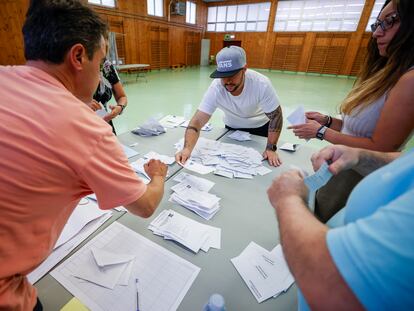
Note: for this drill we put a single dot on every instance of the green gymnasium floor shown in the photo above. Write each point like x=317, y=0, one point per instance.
x=180, y=92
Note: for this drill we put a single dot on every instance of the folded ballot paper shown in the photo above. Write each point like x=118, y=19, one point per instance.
x=150, y=128
x=105, y=268
x=192, y=193
x=240, y=136
x=319, y=179
x=228, y=160
x=265, y=273
x=192, y=234
x=297, y=116
x=170, y=121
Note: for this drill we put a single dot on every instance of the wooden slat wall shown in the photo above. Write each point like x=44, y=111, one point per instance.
x=12, y=14
x=137, y=45
x=339, y=53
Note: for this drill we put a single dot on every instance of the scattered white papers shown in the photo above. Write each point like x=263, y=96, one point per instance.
x=228, y=160
x=161, y=274
x=104, y=268
x=240, y=136
x=163, y=158
x=86, y=211
x=319, y=179
x=64, y=249
x=150, y=128
x=129, y=152
x=199, y=183
x=265, y=273
x=289, y=147
x=297, y=116
x=263, y=170
x=170, y=121
x=192, y=234
x=207, y=127
x=197, y=167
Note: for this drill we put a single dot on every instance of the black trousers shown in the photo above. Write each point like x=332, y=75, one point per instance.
x=259, y=131
x=38, y=306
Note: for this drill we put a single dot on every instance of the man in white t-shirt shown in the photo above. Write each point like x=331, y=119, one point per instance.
x=246, y=97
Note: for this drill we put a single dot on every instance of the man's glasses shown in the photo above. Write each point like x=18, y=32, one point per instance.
x=386, y=24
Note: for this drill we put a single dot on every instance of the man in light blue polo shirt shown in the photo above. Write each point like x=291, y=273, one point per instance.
x=368, y=262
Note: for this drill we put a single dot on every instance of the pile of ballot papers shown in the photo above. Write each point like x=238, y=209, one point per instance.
x=150, y=128
x=192, y=193
x=265, y=273
x=228, y=160
x=105, y=268
x=192, y=234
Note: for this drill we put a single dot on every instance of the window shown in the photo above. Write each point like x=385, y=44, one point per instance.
x=244, y=17
x=318, y=15
x=190, y=12
x=109, y=3
x=375, y=12
x=155, y=7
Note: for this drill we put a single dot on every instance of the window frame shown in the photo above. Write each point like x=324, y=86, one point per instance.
x=190, y=4
x=240, y=23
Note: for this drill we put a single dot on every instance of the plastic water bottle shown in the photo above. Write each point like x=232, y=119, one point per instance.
x=215, y=303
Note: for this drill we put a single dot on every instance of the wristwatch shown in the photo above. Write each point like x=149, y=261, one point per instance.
x=272, y=147
x=122, y=108
x=320, y=134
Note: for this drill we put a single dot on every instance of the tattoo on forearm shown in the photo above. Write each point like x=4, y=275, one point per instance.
x=276, y=120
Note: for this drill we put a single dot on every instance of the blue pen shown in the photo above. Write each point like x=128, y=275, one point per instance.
x=136, y=287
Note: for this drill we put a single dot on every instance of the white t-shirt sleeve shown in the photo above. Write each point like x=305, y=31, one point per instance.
x=269, y=101
x=209, y=101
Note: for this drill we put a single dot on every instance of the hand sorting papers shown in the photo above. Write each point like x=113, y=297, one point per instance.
x=192, y=193
x=240, y=136
x=319, y=179
x=150, y=128
x=265, y=273
x=163, y=158
x=192, y=234
x=138, y=165
x=106, y=268
x=223, y=159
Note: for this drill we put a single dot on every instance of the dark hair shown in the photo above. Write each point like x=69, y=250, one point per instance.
x=52, y=27
x=380, y=73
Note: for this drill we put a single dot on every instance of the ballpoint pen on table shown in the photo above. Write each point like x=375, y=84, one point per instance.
x=136, y=287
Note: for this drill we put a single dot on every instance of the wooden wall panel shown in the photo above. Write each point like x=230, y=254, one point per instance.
x=361, y=54
x=316, y=52
x=12, y=15
x=130, y=19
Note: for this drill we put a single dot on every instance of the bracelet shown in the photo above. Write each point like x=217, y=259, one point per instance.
x=192, y=128
x=329, y=122
x=122, y=108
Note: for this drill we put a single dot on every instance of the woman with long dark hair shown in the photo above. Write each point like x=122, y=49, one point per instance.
x=378, y=113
